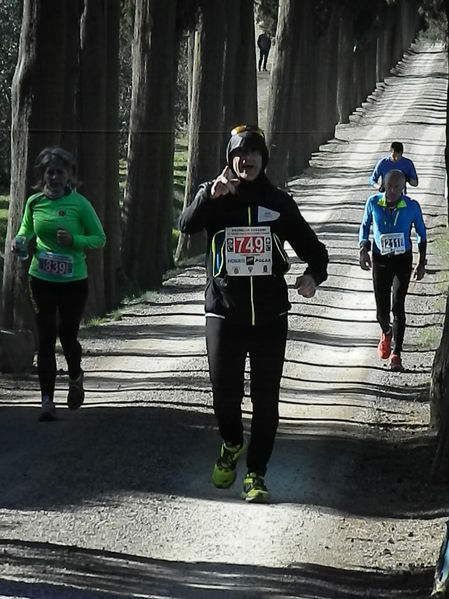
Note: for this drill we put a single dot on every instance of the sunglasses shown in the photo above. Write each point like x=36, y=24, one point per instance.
x=249, y=128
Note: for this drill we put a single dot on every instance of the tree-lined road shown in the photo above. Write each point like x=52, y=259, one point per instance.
x=117, y=500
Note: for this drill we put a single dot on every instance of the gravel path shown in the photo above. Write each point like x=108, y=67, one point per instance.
x=116, y=500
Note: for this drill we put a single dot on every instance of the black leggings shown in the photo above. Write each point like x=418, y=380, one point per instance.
x=389, y=273
x=263, y=57
x=227, y=347
x=69, y=300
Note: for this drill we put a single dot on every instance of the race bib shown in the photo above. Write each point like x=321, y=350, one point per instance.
x=248, y=251
x=58, y=265
x=392, y=243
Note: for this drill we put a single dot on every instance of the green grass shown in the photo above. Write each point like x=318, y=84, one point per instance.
x=179, y=181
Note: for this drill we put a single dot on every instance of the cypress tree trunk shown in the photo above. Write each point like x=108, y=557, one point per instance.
x=206, y=118
x=239, y=77
x=99, y=142
x=439, y=405
x=345, y=58
x=92, y=136
x=112, y=217
x=147, y=247
x=279, y=102
x=38, y=106
x=439, y=388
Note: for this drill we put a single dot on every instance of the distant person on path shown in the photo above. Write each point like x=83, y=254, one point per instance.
x=396, y=161
x=248, y=220
x=264, y=45
x=65, y=225
x=391, y=215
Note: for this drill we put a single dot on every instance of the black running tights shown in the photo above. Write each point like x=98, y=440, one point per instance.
x=55, y=303
x=391, y=277
x=227, y=347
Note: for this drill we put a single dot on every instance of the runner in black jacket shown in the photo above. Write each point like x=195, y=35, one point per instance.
x=248, y=220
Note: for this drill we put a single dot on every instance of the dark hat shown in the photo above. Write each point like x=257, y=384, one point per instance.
x=249, y=138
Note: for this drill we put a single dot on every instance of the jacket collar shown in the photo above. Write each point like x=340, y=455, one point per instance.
x=382, y=201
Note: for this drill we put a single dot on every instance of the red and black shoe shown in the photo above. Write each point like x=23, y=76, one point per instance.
x=384, y=347
x=396, y=363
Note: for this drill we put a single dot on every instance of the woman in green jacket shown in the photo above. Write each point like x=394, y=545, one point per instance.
x=65, y=224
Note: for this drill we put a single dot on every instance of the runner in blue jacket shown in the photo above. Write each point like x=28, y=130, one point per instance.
x=391, y=216
x=395, y=161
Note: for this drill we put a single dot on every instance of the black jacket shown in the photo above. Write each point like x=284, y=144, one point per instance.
x=252, y=299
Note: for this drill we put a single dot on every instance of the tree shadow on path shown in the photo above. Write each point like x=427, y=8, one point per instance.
x=122, y=576
x=99, y=453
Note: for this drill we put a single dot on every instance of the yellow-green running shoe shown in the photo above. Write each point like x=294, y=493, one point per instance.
x=254, y=488
x=224, y=469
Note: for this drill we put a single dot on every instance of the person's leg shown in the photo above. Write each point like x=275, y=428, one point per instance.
x=265, y=58
x=71, y=303
x=44, y=299
x=72, y=299
x=400, y=287
x=260, y=60
x=226, y=352
x=383, y=274
x=267, y=353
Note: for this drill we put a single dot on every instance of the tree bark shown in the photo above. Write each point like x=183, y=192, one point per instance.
x=92, y=133
x=37, y=115
x=147, y=246
x=112, y=218
x=439, y=387
x=281, y=103
x=206, y=118
x=345, y=66
x=98, y=143
x=239, y=72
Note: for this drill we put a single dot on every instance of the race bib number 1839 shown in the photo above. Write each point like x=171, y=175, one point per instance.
x=58, y=265
x=248, y=251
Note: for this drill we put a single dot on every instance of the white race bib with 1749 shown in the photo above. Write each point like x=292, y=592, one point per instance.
x=56, y=265
x=248, y=251
x=392, y=243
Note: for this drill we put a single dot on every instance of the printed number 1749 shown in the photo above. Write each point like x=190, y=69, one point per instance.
x=249, y=244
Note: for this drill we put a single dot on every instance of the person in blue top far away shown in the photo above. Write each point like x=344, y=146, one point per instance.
x=395, y=160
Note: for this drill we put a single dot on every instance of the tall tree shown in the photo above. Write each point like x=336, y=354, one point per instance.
x=10, y=18
x=439, y=389
x=286, y=99
x=99, y=141
x=239, y=71
x=147, y=218
x=206, y=117
x=224, y=76
x=37, y=114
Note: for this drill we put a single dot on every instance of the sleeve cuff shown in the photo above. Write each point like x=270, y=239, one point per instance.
x=365, y=245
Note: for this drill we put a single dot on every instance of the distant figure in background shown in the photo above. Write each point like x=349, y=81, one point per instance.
x=395, y=161
x=264, y=45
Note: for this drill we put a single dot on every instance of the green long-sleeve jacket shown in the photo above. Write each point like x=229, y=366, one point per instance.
x=42, y=218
